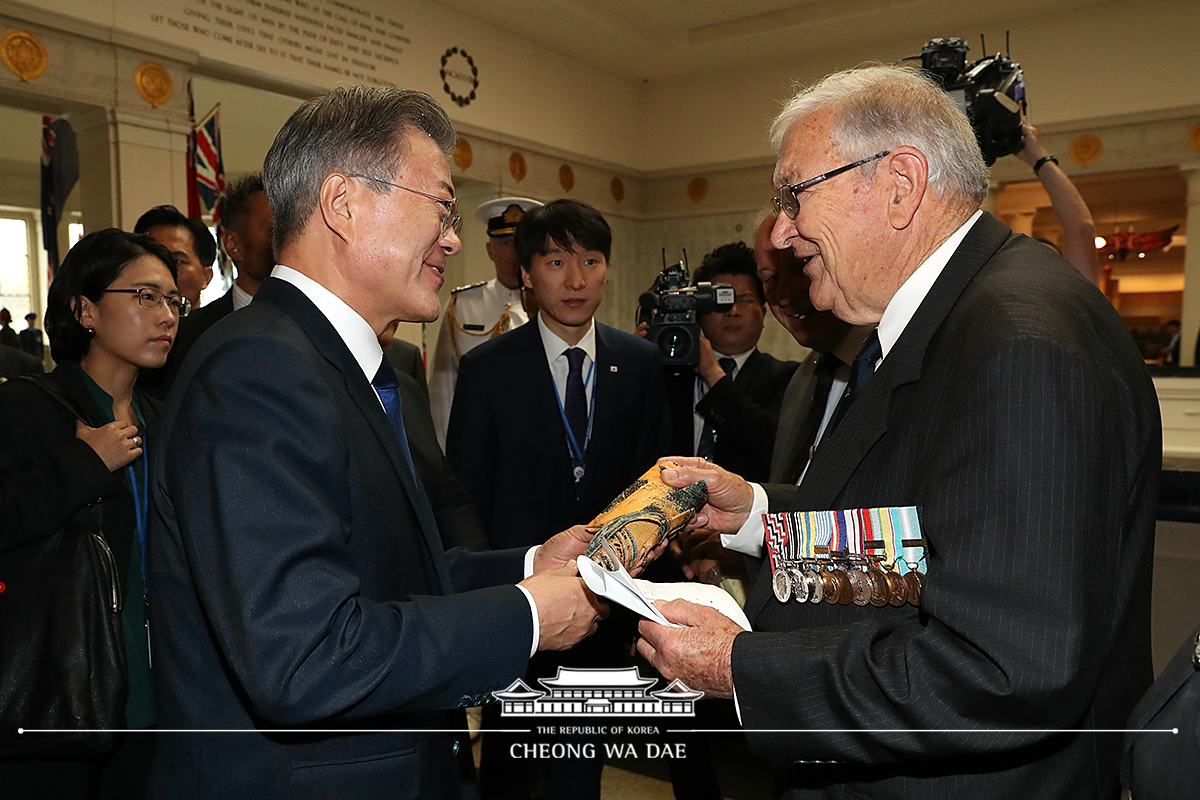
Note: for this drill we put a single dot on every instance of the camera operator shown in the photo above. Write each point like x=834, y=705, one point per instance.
x=1079, y=232
x=738, y=391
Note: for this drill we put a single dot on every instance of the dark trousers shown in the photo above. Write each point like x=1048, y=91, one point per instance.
x=120, y=775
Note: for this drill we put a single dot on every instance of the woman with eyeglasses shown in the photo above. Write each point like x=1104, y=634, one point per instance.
x=79, y=436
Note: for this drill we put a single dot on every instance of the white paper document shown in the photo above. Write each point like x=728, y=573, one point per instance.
x=639, y=595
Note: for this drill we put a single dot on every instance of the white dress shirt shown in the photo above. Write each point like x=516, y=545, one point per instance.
x=900, y=310
x=241, y=298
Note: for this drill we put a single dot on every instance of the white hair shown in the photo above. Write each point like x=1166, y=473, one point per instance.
x=881, y=107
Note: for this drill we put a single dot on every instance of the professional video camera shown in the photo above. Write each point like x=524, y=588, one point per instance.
x=672, y=309
x=990, y=93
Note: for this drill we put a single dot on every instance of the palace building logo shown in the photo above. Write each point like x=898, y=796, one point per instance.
x=619, y=692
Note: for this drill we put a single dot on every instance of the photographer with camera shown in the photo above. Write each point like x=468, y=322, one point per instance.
x=739, y=389
x=725, y=394
x=1079, y=232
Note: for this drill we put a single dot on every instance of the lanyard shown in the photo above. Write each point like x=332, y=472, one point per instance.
x=577, y=452
x=140, y=510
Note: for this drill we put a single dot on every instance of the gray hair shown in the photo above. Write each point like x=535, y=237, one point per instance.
x=881, y=107
x=352, y=130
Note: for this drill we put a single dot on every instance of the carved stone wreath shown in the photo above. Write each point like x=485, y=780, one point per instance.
x=459, y=99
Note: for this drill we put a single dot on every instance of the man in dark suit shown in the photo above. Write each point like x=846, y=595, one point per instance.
x=590, y=418
x=737, y=391
x=1002, y=397
x=526, y=467
x=814, y=389
x=246, y=240
x=323, y=618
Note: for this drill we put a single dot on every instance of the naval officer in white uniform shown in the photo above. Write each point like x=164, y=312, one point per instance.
x=480, y=311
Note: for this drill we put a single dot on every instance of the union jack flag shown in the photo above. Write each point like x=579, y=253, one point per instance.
x=206, y=170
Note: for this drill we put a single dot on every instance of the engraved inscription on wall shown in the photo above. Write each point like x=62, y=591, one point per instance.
x=341, y=39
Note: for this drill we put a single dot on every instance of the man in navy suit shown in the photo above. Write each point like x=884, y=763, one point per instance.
x=590, y=417
x=519, y=454
x=1001, y=395
x=300, y=593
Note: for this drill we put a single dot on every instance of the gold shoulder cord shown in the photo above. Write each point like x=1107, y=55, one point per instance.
x=452, y=315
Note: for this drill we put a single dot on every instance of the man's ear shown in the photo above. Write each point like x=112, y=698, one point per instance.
x=906, y=175
x=231, y=242
x=336, y=205
x=525, y=282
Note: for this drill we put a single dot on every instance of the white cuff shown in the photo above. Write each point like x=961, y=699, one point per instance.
x=749, y=538
x=537, y=623
x=529, y=554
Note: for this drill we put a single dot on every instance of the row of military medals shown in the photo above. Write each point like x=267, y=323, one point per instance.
x=864, y=556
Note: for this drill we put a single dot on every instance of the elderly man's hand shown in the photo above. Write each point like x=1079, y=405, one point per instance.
x=730, y=498
x=568, y=612
x=561, y=549
x=699, y=655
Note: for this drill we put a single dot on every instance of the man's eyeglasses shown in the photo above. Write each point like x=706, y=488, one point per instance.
x=787, y=198
x=152, y=300
x=450, y=219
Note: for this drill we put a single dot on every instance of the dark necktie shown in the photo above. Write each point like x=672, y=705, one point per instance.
x=708, y=435
x=861, y=373
x=388, y=390
x=575, y=404
x=802, y=451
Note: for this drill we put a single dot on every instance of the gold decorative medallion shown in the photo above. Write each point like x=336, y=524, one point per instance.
x=153, y=83
x=566, y=177
x=516, y=166
x=1194, y=137
x=617, y=187
x=23, y=54
x=1086, y=149
x=698, y=189
x=462, y=154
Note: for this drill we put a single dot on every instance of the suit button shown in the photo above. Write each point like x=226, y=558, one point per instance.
x=455, y=748
x=464, y=701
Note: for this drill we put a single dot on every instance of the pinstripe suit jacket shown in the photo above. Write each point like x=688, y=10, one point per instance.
x=1016, y=414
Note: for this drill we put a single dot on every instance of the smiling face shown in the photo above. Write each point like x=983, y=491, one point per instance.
x=125, y=331
x=786, y=287
x=569, y=285
x=738, y=329
x=401, y=250
x=839, y=225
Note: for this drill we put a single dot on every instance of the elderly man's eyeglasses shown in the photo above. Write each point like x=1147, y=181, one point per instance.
x=152, y=300
x=450, y=219
x=787, y=198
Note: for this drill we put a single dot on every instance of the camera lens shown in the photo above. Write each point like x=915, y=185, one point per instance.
x=675, y=343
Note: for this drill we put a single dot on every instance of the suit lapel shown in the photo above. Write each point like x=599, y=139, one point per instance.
x=796, y=402
x=330, y=345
